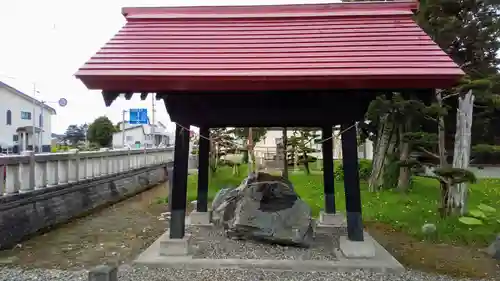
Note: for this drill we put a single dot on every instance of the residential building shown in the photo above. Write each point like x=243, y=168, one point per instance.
x=143, y=136
x=21, y=118
x=267, y=147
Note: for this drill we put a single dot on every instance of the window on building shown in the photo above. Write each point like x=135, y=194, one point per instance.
x=9, y=117
x=15, y=137
x=129, y=138
x=40, y=121
x=25, y=115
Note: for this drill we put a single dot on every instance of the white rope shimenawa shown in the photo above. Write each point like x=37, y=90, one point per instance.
x=238, y=144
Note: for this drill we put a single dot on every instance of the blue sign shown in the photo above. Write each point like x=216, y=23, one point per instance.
x=138, y=116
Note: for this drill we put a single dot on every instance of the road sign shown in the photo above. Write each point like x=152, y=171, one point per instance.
x=62, y=102
x=138, y=116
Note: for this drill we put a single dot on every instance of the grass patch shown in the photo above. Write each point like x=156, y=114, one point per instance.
x=403, y=212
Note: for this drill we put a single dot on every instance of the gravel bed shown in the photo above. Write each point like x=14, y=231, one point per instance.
x=135, y=273
x=211, y=243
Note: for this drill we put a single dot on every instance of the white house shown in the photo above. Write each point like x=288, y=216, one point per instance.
x=143, y=136
x=21, y=116
x=267, y=147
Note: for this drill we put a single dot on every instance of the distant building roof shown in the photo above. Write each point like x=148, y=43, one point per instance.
x=27, y=97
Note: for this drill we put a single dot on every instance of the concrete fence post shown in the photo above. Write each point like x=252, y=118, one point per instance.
x=103, y=273
x=73, y=166
x=28, y=172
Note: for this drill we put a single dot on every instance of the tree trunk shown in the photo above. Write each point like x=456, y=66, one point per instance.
x=443, y=162
x=213, y=157
x=306, y=163
x=285, y=153
x=404, y=155
x=457, y=196
x=390, y=172
x=304, y=155
x=251, y=155
x=384, y=135
x=441, y=133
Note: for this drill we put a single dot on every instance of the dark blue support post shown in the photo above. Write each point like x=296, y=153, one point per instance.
x=203, y=151
x=351, y=182
x=179, y=181
x=328, y=178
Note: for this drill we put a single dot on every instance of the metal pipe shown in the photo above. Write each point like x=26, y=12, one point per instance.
x=153, y=120
x=42, y=126
x=33, y=118
x=123, y=128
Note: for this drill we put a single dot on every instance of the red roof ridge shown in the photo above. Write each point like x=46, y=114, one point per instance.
x=402, y=7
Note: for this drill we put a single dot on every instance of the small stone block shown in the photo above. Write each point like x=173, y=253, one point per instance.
x=103, y=273
x=331, y=219
x=494, y=249
x=175, y=247
x=331, y=229
x=199, y=218
x=357, y=249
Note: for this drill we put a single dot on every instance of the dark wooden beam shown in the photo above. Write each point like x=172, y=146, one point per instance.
x=109, y=97
x=351, y=182
x=128, y=96
x=328, y=179
x=276, y=109
x=179, y=190
x=203, y=154
x=144, y=96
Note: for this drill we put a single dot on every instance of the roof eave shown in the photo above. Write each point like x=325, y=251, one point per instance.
x=231, y=11
x=16, y=91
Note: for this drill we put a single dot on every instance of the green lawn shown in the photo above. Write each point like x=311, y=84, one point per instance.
x=404, y=212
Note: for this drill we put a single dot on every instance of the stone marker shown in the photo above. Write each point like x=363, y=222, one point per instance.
x=494, y=249
x=264, y=207
x=103, y=273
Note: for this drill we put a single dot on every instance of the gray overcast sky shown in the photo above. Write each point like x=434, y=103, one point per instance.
x=47, y=41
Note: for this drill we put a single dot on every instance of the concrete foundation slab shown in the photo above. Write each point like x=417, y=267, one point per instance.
x=382, y=261
x=357, y=250
x=199, y=218
x=169, y=247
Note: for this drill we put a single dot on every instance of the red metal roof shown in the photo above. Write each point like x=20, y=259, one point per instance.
x=283, y=47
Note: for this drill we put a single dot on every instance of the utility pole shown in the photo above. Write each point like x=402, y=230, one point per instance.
x=123, y=128
x=33, y=118
x=41, y=121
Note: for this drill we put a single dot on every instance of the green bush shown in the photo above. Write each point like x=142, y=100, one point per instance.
x=486, y=154
x=365, y=169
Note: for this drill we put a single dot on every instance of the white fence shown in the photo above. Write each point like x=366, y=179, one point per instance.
x=28, y=172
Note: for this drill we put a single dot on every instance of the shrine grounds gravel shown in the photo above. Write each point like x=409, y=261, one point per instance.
x=136, y=273
x=211, y=243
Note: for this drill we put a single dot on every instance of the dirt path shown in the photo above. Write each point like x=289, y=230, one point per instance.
x=436, y=258
x=114, y=235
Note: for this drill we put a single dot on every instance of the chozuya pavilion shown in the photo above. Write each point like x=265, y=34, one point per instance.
x=314, y=65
